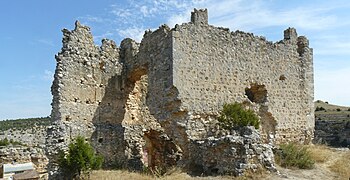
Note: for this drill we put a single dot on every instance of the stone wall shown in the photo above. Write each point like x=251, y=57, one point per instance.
x=86, y=93
x=213, y=66
x=153, y=103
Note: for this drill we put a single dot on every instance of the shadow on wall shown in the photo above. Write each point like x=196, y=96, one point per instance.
x=117, y=120
x=108, y=137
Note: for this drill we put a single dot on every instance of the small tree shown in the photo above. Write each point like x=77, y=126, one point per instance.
x=81, y=158
x=234, y=115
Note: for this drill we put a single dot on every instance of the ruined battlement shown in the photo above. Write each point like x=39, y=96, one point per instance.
x=151, y=103
x=199, y=16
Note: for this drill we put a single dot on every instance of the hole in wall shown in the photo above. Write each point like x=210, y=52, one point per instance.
x=282, y=77
x=100, y=140
x=256, y=93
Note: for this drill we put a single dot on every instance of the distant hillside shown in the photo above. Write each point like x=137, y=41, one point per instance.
x=27, y=123
x=324, y=108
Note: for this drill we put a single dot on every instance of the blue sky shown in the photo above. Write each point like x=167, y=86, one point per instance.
x=30, y=36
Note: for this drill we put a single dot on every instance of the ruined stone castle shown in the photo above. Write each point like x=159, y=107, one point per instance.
x=156, y=103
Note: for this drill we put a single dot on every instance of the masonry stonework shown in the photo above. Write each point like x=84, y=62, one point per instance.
x=156, y=103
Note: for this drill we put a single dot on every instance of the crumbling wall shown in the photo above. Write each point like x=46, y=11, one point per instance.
x=86, y=93
x=213, y=66
x=156, y=103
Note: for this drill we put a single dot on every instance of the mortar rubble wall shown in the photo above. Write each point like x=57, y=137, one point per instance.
x=213, y=66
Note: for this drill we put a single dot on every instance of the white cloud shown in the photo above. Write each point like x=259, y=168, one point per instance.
x=334, y=44
x=178, y=19
x=135, y=33
x=48, y=75
x=93, y=19
x=46, y=42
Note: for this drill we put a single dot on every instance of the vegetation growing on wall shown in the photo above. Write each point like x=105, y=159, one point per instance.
x=235, y=115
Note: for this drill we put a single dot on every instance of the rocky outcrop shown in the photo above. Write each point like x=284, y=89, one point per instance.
x=233, y=154
x=332, y=132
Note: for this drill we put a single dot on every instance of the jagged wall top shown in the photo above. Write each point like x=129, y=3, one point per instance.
x=199, y=16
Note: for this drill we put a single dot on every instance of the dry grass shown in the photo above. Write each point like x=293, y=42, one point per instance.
x=331, y=163
x=320, y=153
x=341, y=165
x=126, y=175
x=173, y=174
x=118, y=174
x=337, y=161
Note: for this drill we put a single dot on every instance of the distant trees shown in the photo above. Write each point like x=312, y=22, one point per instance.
x=80, y=158
x=320, y=108
x=27, y=123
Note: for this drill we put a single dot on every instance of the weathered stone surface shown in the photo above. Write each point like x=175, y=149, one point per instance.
x=156, y=103
x=231, y=154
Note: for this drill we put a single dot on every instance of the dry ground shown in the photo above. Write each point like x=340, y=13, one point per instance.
x=331, y=163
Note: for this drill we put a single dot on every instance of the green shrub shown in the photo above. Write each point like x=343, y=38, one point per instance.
x=4, y=142
x=81, y=158
x=234, y=115
x=293, y=155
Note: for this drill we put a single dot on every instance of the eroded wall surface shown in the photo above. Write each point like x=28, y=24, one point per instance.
x=213, y=66
x=155, y=103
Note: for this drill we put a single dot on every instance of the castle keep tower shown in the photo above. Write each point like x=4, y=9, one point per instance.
x=155, y=103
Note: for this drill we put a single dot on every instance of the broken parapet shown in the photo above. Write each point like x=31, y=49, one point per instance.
x=199, y=16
